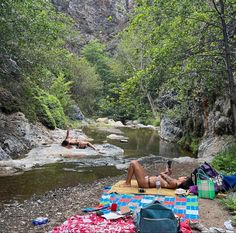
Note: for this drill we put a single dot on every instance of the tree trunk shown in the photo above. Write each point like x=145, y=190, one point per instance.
x=150, y=100
x=228, y=63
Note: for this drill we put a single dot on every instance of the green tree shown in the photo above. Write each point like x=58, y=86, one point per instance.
x=61, y=89
x=32, y=49
x=95, y=53
x=180, y=50
x=87, y=86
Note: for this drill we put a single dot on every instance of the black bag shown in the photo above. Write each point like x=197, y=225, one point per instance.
x=157, y=218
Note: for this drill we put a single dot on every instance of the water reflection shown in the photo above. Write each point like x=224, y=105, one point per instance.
x=141, y=142
x=39, y=181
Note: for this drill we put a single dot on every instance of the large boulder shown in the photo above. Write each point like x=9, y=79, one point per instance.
x=170, y=130
x=18, y=135
x=75, y=113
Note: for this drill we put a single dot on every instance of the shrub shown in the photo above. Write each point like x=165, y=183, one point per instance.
x=55, y=109
x=225, y=161
x=190, y=143
x=230, y=203
x=49, y=110
x=45, y=115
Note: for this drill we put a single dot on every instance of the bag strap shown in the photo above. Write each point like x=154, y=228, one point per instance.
x=201, y=173
x=194, y=173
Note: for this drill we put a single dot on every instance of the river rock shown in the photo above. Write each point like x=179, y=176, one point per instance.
x=113, y=123
x=103, y=120
x=111, y=130
x=137, y=124
x=185, y=159
x=117, y=137
x=41, y=155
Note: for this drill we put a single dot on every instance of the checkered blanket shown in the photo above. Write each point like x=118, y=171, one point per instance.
x=184, y=207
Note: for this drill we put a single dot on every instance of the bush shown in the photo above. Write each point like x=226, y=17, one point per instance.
x=45, y=116
x=190, y=143
x=154, y=121
x=55, y=109
x=49, y=110
x=225, y=161
x=230, y=203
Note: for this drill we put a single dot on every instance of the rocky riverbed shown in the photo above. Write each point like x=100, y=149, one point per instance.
x=60, y=204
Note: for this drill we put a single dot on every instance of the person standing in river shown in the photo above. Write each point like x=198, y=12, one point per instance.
x=145, y=181
x=68, y=142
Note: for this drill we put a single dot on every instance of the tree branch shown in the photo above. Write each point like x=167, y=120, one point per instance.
x=217, y=10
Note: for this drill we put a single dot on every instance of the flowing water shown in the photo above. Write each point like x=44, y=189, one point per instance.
x=141, y=142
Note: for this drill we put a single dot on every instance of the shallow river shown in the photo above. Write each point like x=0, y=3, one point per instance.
x=141, y=142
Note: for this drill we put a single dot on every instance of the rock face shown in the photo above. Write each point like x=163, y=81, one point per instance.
x=219, y=129
x=8, y=103
x=170, y=130
x=100, y=19
x=4, y=155
x=213, y=126
x=219, y=121
x=210, y=146
x=18, y=135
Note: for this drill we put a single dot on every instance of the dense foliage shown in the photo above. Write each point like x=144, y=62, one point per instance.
x=174, y=46
x=34, y=56
x=182, y=48
x=225, y=161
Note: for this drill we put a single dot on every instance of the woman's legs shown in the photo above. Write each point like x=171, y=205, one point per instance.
x=136, y=169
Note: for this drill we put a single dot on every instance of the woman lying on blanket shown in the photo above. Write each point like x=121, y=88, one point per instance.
x=145, y=181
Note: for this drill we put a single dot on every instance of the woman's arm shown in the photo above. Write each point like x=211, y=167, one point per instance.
x=91, y=145
x=171, y=183
x=67, y=133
